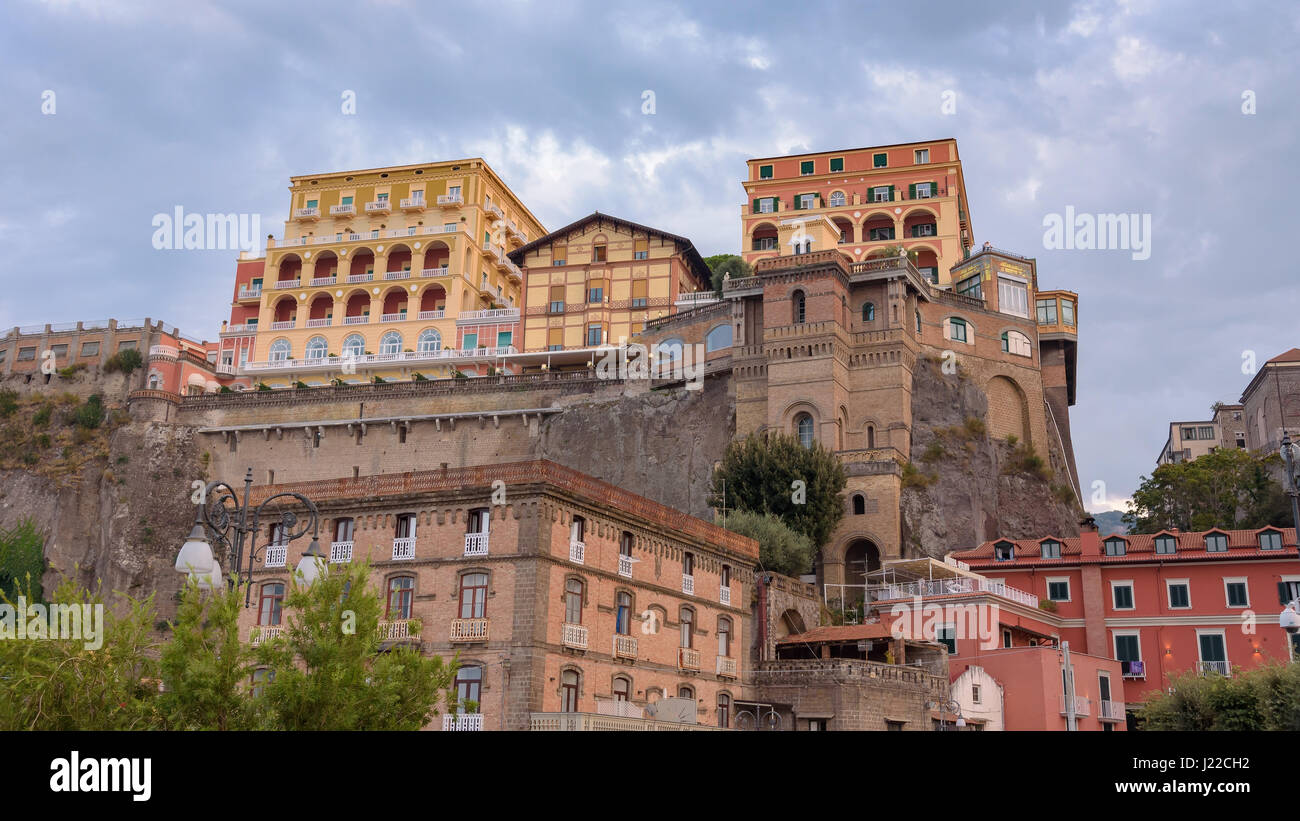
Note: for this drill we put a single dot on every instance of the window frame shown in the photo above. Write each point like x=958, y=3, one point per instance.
x=1228, y=582
x=1051, y=580
x=1119, y=584
x=1170, y=584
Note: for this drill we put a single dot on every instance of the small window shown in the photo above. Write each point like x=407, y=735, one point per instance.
x=271, y=604
x=765, y=172
x=687, y=619
x=837, y=199
x=882, y=194
x=1179, y=595
x=400, y=591
x=803, y=427
x=724, y=710
x=1058, y=589
x=1236, y=593
x=957, y=330
x=1166, y=545
x=573, y=590
x=1270, y=540
x=975, y=693
x=1014, y=342
x=859, y=504
x=868, y=312
x=1122, y=594
x=837, y=164
x=807, y=201
x=947, y=636
x=806, y=168
x=922, y=156
x=1116, y=547
x=879, y=160
x=799, y=306
x=1004, y=551
x=1216, y=543
x=970, y=286
x=598, y=253
x=1051, y=549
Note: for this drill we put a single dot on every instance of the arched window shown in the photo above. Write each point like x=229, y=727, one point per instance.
x=279, y=350
x=686, y=691
x=803, y=428
x=837, y=198
x=918, y=323
x=868, y=312
x=724, y=710
x=871, y=436
x=573, y=601
x=569, y=691
x=623, y=613
x=155, y=381
x=317, y=348
x=799, y=307
x=1016, y=343
x=391, y=343
x=354, y=345
x=473, y=596
x=622, y=688
x=270, y=604
x=687, y=618
x=400, y=591
x=859, y=504
x=957, y=329
x=429, y=341
x=671, y=349
x=262, y=676
x=724, y=637
x=718, y=338
x=469, y=687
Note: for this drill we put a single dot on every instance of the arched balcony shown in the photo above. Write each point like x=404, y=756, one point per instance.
x=285, y=314
x=763, y=237
x=433, y=303
x=362, y=268
x=394, y=306
x=289, y=272
x=437, y=258
x=327, y=269
x=927, y=262
x=358, y=309
x=878, y=228
x=846, y=230
x=399, y=263
x=320, y=314
x=919, y=224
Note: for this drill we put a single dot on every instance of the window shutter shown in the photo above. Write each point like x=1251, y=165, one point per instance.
x=1282, y=591
x=911, y=191
x=934, y=189
x=798, y=202
x=891, y=193
x=756, y=206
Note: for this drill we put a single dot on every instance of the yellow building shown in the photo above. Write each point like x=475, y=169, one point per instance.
x=388, y=272
x=598, y=280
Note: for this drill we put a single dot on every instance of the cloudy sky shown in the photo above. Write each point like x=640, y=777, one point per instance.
x=1105, y=107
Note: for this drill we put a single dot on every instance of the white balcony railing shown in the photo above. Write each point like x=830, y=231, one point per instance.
x=414, y=203
x=282, y=326
x=250, y=293
x=329, y=280
x=383, y=358
x=688, y=585
x=688, y=658
x=398, y=317
x=724, y=596
x=397, y=274
x=450, y=199
x=356, y=320
x=226, y=368
x=575, y=636
x=287, y=283
x=469, y=630
x=726, y=667
x=577, y=550
x=1082, y=706
x=403, y=548
x=305, y=213
x=431, y=315
x=323, y=322
x=462, y=722
x=624, y=647
x=1221, y=668
x=264, y=632
x=379, y=207
x=342, y=210
x=340, y=552
x=1110, y=710
x=164, y=350
x=476, y=544
x=368, y=276
x=625, y=566
x=276, y=556
x=437, y=271
x=398, y=630
x=496, y=314
x=943, y=587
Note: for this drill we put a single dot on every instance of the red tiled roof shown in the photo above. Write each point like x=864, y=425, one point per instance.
x=1292, y=355
x=1242, y=544
x=843, y=632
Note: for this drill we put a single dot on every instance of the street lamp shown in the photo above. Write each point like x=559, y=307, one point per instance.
x=1290, y=453
x=220, y=513
x=949, y=706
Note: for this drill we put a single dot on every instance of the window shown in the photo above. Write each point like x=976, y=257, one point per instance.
x=724, y=578
x=1180, y=596
x=799, y=306
x=573, y=589
x=1127, y=649
x=429, y=341
x=345, y=201
x=879, y=160
x=1236, y=592
x=1050, y=549
x=686, y=691
x=128, y=345
x=1214, y=652
x=569, y=691
x=622, y=689
x=623, y=613
x=717, y=339
x=1046, y=311
x=957, y=329
x=26, y=354
x=837, y=198
x=803, y=428
x=806, y=168
x=1013, y=297
x=765, y=172
x=918, y=322
x=1166, y=545
x=557, y=299
x=1004, y=551
x=859, y=504
x=505, y=338
x=1014, y=342
x=1188, y=433
x=478, y=520
x=1122, y=595
x=469, y=341
x=947, y=635
x=922, y=191
x=1006, y=638
x=354, y=345
x=1206, y=433
x=924, y=229
x=687, y=617
x=724, y=710
x=767, y=205
x=1067, y=312
x=596, y=290
x=317, y=348
x=469, y=687
x=975, y=693
x=868, y=312
x=724, y=637
x=400, y=591
x=877, y=234
x=1116, y=547
x=807, y=201
x=262, y=677
x=922, y=156
x=390, y=343
x=1216, y=543
x=473, y=596
x=1058, y=589
x=970, y=286
x=598, y=253
x=882, y=193
x=278, y=352
x=1270, y=540
x=271, y=604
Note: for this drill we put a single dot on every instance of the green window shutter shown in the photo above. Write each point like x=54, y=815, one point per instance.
x=798, y=202
x=806, y=167
x=934, y=189
x=891, y=193
x=756, y=206
x=837, y=164
x=911, y=191
x=820, y=202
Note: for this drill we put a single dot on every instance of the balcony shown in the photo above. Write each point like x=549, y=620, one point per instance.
x=462, y=722
x=356, y=320
x=276, y=556
x=342, y=210
x=1082, y=706
x=688, y=585
x=514, y=234
x=431, y=315
x=225, y=368
x=316, y=282
x=589, y=722
x=426, y=356
x=494, y=211
x=450, y=200
x=412, y=204
x=727, y=667
x=1133, y=669
x=264, y=633
x=625, y=566
x=379, y=207
x=340, y=552
x=946, y=587
x=1214, y=668
x=440, y=271
x=397, y=274
x=624, y=647
x=250, y=291
x=306, y=213
x=497, y=315
x=398, y=317
x=575, y=636
x=403, y=548
x=724, y=596
x=1111, y=711
x=468, y=630
x=399, y=630
x=688, y=658
x=324, y=322
x=282, y=284
x=286, y=325
x=476, y=544
x=368, y=276
x=164, y=350
x=577, y=550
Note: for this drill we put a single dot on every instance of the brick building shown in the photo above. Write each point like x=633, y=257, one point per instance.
x=1271, y=402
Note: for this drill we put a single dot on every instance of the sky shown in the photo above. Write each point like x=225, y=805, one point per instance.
x=1180, y=113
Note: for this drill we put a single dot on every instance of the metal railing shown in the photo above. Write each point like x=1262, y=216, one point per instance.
x=276, y=556
x=403, y=548
x=726, y=667
x=412, y=202
x=287, y=283
x=625, y=566
x=468, y=630
x=398, y=630
x=724, y=596
x=451, y=199
x=461, y=722
x=282, y=326
x=945, y=587
x=250, y=293
x=574, y=635
x=329, y=280
x=397, y=274
x=366, y=277
x=624, y=647
x=355, y=320
x=1221, y=668
x=688, y=658
x=476, y=544
x=324, y=322
x=340, y=552
x=442, y=314
x=1110, y=710
x=577, y=551
x=262, y=633
x=688, y=585
x=1082, y=706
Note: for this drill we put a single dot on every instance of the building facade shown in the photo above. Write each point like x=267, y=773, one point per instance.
x=1271, y=403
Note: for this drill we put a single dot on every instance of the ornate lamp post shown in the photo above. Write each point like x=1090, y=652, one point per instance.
x=221, y=514
x=1290, y=617
x=949, y=706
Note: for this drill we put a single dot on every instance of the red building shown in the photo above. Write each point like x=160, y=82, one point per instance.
x=1161, y=604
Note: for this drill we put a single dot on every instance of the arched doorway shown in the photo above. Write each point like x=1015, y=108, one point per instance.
x=861, y=558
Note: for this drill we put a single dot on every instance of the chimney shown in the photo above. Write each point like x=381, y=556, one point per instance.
x=1088, y=523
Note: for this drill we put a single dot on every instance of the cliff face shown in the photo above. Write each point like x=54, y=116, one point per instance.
x=965, y=487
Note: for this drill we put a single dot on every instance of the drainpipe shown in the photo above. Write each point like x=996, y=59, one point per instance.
x=762, y=616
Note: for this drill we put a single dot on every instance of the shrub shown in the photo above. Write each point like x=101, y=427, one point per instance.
x=43, y=441
x=419, y=377
x=262, y=386
x=225, y=389
x=974, y=426
x=780, y=548
x=126, y=361
x=933, y=452
x=915, y=478
x=300, y=384
x=8, y=401
x=72, y=370
x=42, y=416
x=91, y=414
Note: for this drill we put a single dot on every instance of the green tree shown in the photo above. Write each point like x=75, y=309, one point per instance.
x=723, y=264
x=327, y=671
x=126, y=360
x=22, y=561
x=1265, y=698
x=780, y=549
x=1229, y=488
x=761, y=475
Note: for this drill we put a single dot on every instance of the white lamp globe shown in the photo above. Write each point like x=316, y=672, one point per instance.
x=210, y=580
x=196, y=553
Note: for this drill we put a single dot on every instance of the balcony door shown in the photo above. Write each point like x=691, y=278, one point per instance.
x=473, y=595
x=343, y=530
x=405, y=526
x=478, y=520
